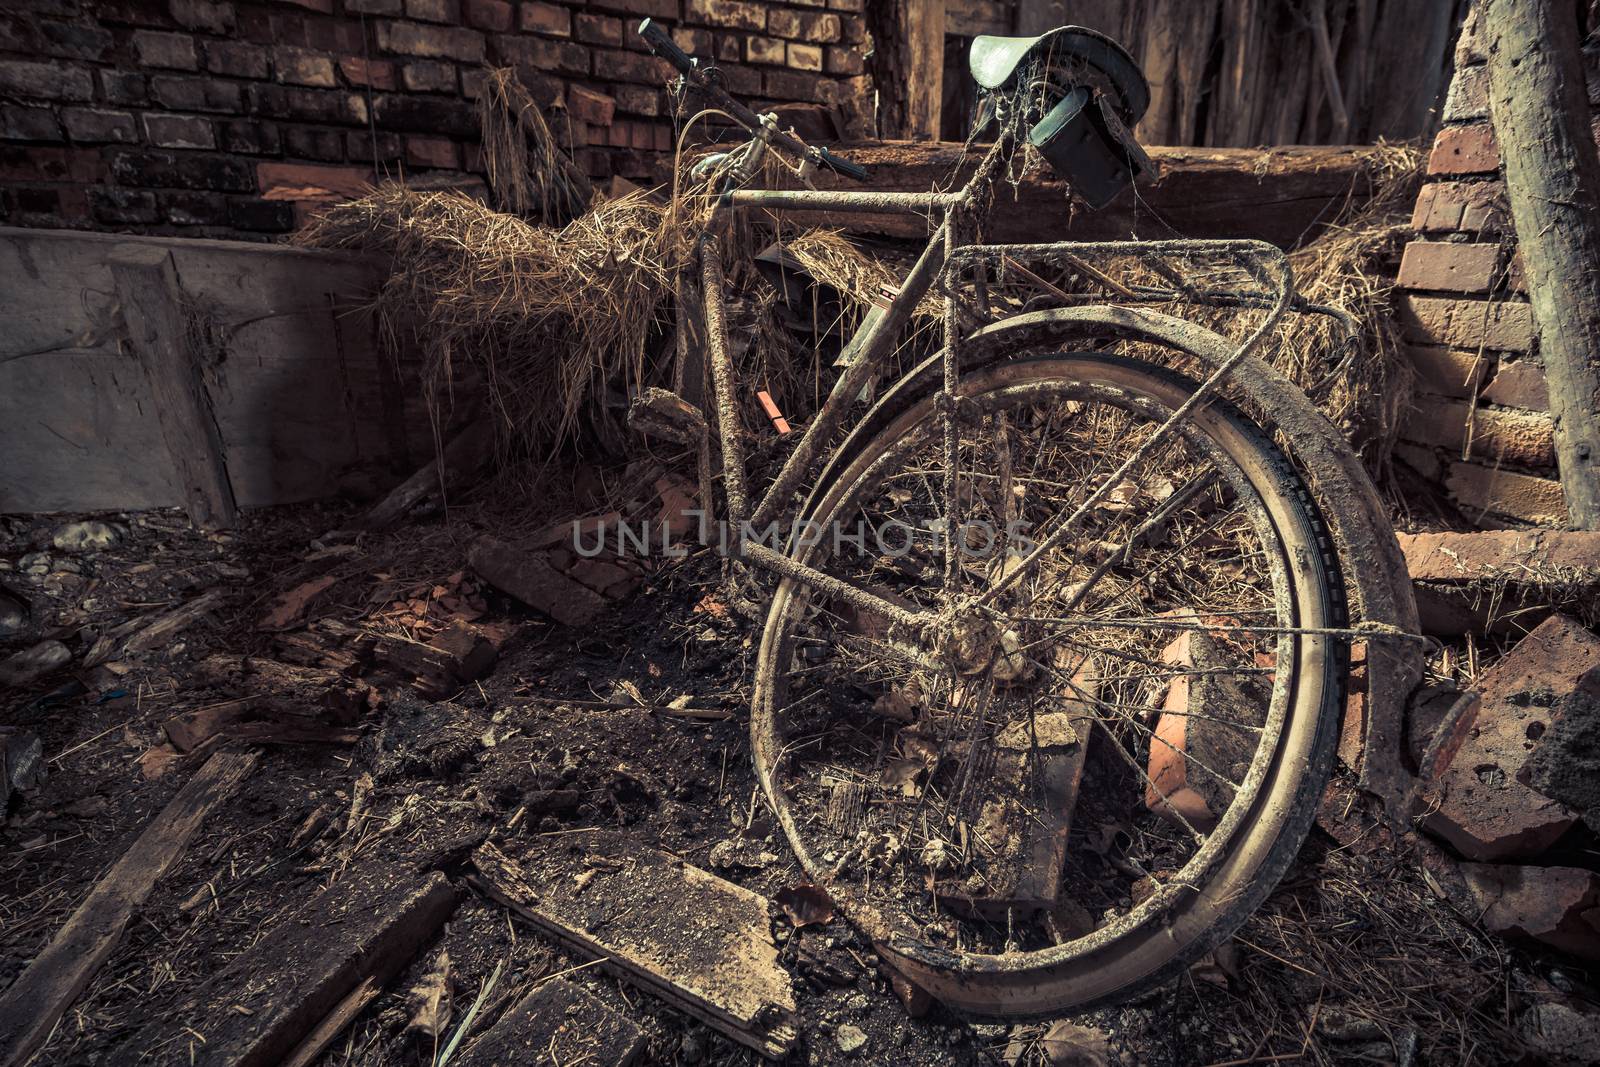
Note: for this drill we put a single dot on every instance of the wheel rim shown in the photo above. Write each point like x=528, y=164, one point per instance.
x=1178, y=915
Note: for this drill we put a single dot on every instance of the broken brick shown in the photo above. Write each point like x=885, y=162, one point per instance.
x=1477, y=803
x=1204, y=739
x=1554, y=906
x=530, y=578
x=1564, y=764
x=1485, y=580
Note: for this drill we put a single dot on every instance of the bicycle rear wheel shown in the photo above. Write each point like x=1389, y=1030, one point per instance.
x=1090, y=782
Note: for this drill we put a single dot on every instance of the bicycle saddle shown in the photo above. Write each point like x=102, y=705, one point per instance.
x=995, y=60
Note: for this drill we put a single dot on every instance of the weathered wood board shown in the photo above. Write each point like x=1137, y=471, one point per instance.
x=306, y=405
x=259, y=1009
x=557, y=1023
x=35, y=1002
x=701, y=943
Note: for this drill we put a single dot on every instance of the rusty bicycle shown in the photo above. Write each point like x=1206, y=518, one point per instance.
x=1064, y=732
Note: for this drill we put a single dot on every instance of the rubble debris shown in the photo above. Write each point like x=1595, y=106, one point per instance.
x=1479, y=803
x=557, y=1023
x=31, y=664
x=259, y=1009
x=1565, y=762
x=465, y=455
x=90, y=536
x=850, y=1038
x=13, y=614
x=429, y=1000
x=439, y=667
x=289, y=608
x=36, y=1001
x=21, y=763
x=291, y=689
x=532, y=579
x=1495, y=579
x=700, y=943
x=1562, y=1031
x=150, y=632
x=1556, y=906
x=1188, y=737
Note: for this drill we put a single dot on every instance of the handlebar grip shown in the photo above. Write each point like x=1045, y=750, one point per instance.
x=662, y=44
x=840, y=165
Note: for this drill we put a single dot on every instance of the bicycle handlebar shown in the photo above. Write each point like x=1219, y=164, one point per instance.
x=662, y=44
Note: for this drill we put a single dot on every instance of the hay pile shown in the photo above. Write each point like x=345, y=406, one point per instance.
x=545, y=316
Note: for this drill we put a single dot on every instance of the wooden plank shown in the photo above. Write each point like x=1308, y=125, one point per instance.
x=1282, y=195
x=35, y=1002
x=925, y=73
x=269, y=1002
x=557, y=1023
x=306, y=402
x=702, y=944
x=160, y=335
x=969, y=18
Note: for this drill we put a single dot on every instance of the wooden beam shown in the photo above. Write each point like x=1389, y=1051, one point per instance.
x=558, y=1023
x=1282, y=195
x=156, y=329
x=35, y=1002
x=925, y=32
x=1540, y=112
x=308, y=975
x=699, y=942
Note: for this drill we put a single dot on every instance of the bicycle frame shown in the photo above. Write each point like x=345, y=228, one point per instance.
x=945, y=261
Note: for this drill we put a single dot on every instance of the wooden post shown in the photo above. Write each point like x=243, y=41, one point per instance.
x=35, y=1002
x=152, y=314
x=1540, y=110
x=907, y=65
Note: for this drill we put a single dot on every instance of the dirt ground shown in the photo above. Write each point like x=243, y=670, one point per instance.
x=1353, y=960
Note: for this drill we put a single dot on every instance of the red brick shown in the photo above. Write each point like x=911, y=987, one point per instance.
x=431, y=42
x=1488, y=490
x=805, y=26
x=1519, y=384
x=1468, y=97
x=172, y=50
x=433, y=10
x=1505, y=326
x=298, y=66
x=656, y=9
x=588, y=106
x=429, y=76
x=377, y=73
x=236, y=59
x=805, y=57
x=794, y=85
x=1465, y=150
x=763, y=50
x=598, y=29
x=730, y=49
x=695, y=42
x=546, y=18
x=845, y=60
x=1448, y=371
x=640, y=136
x=323, y=6
x=1476, y=803
x=619, y=134
x=431, y=152
x=631, y=67
x=1484, y=554
x=1472, y=44
x=179, y=131
x=1450, y=266
x=1523, y=439
x=1184, y=744
x=735, y=14
x=545, y=56
x=1554, y=906
x=305, y=181
x=637, y=100
x=495, y=15
x=1465, y=207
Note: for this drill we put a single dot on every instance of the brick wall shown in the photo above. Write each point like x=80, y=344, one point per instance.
x=197, y=118
x=1481, y=424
